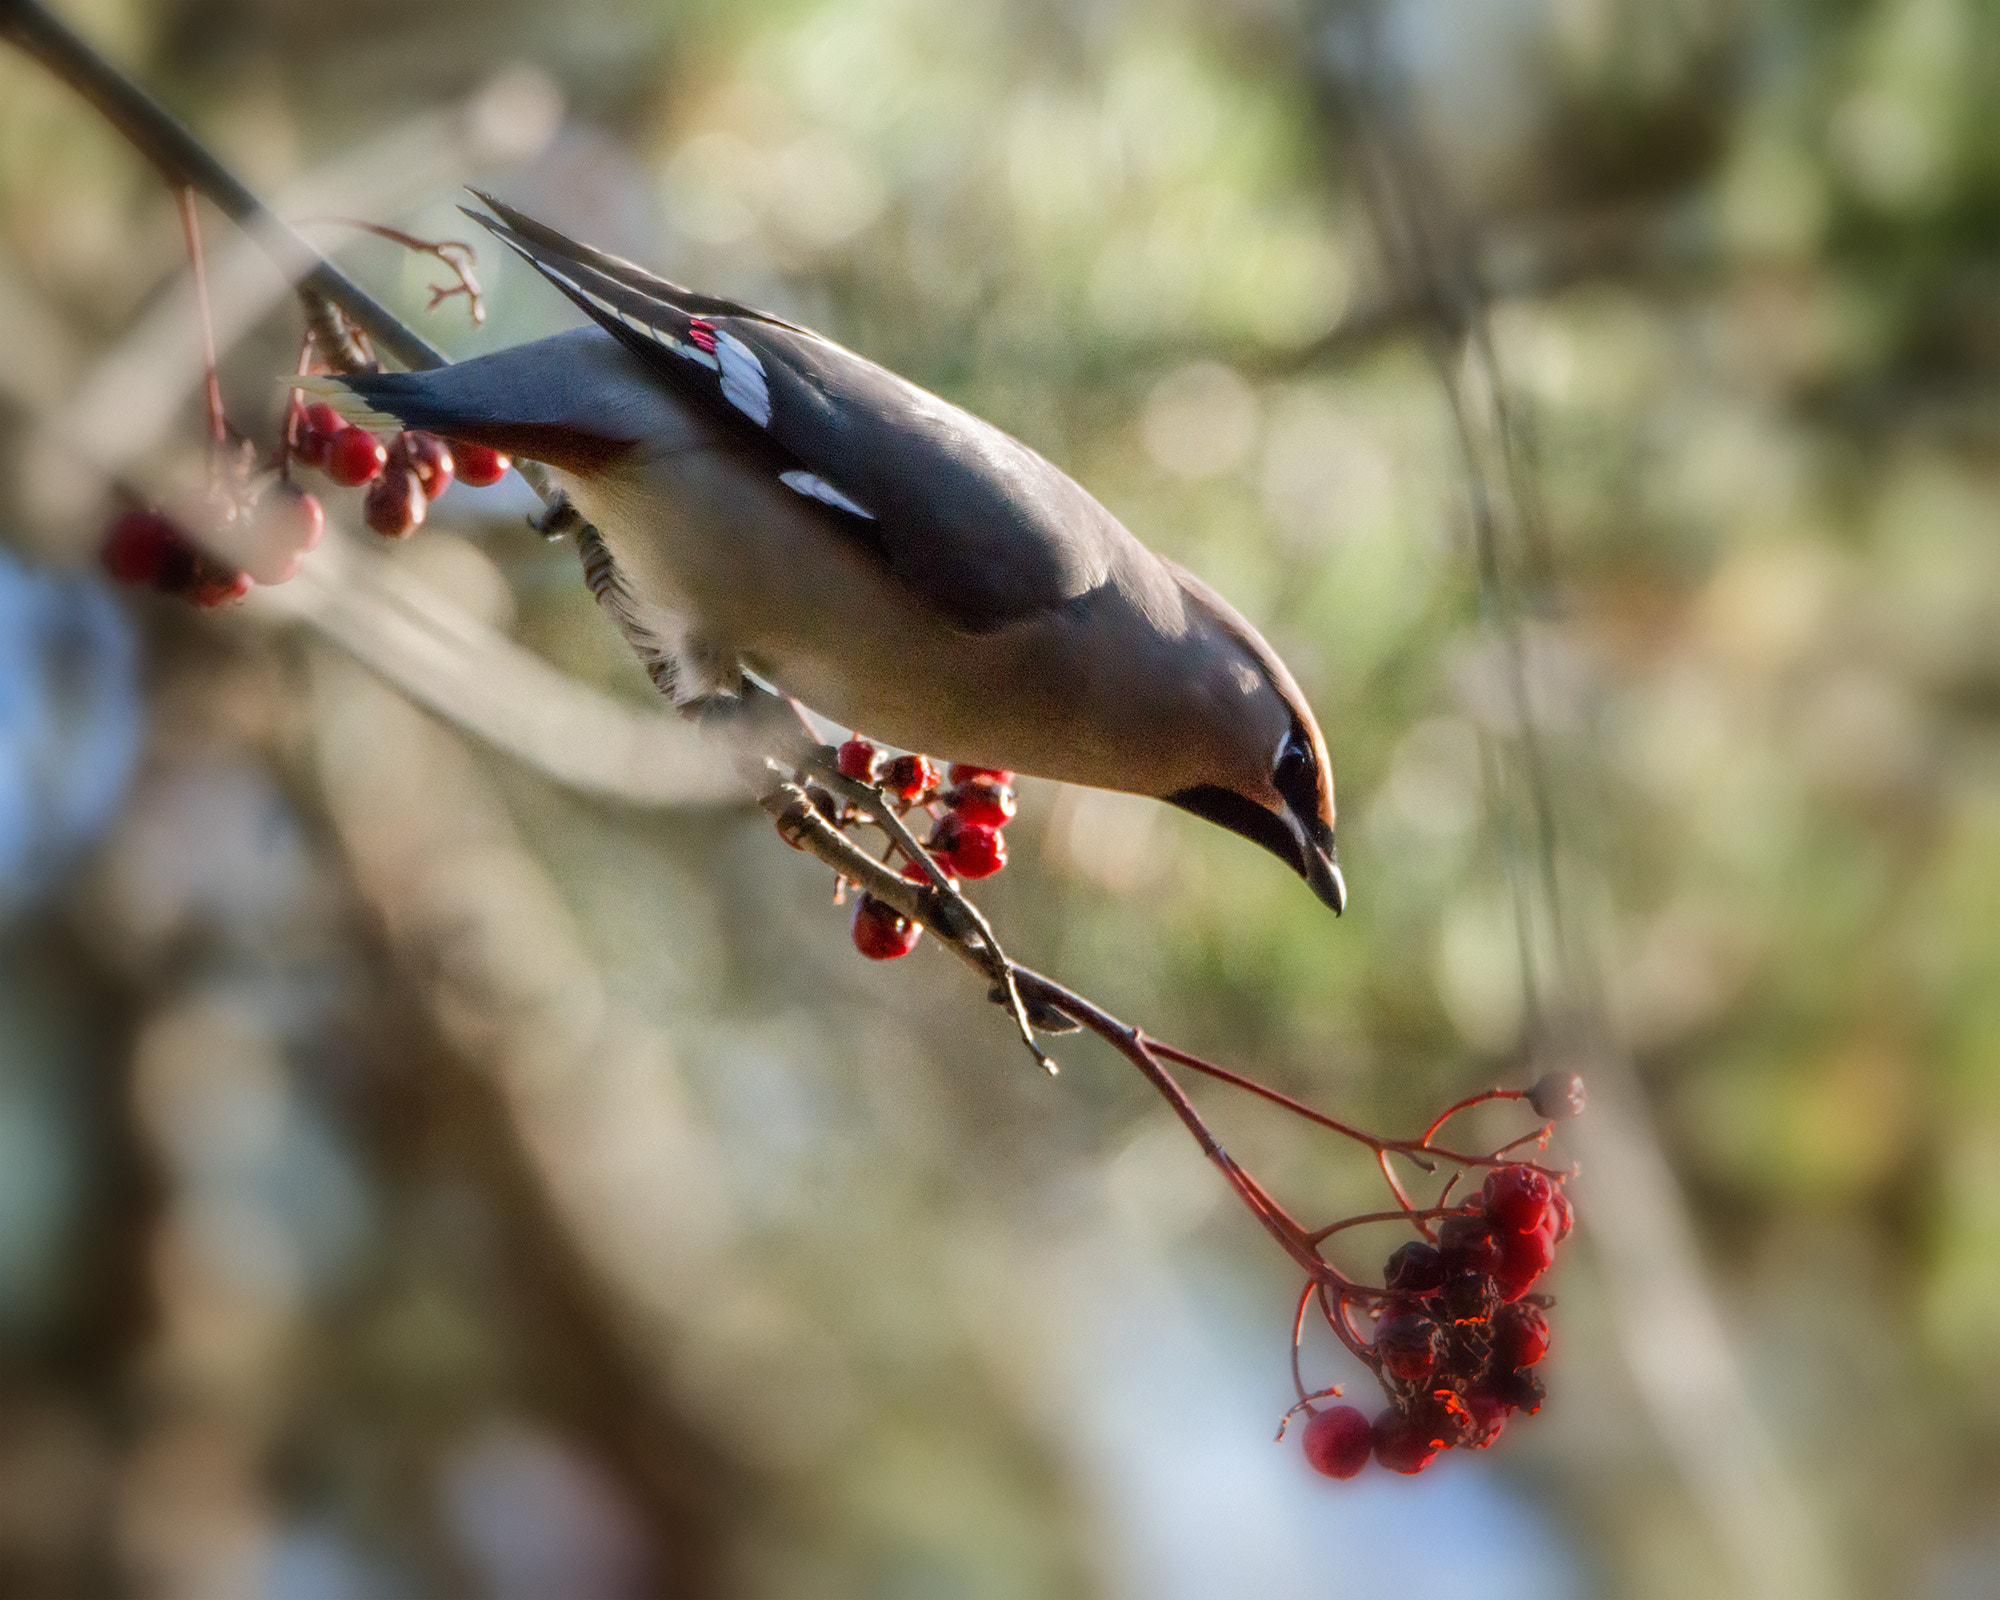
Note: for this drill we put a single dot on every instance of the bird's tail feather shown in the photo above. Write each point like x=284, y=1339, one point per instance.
x=526, y=402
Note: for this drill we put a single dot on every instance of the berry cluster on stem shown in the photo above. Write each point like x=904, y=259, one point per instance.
x=969, y=806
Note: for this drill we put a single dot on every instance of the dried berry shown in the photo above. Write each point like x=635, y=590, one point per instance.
x=1337, y=1441
x=881, y=932
x=1409, y=1347
x=1467, y=1244
x=1414, y=1268
x=1402, y=1442
x=1469, y=1297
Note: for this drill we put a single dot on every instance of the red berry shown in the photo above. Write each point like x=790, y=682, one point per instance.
x=1516, y=1197
x=216, y=586
x=1337, y=1441
x=395, y=505
x=287, y=523
x=967, y=848
x=138, y=545
x=354, y=457
x=984, y=801
x=1408, y=1346
x=960, y=773
x=1415, y=1268
x=858, y=760
x=1402, y=1443
x=1524, y=1257
x=909, y=778
x=1565, y=1216
x=425, y=454
x=478, y=465
x=881, y=933
x=1520, y=1336
x=318, y=425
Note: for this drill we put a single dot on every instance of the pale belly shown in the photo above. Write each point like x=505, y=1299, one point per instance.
x=745, y=566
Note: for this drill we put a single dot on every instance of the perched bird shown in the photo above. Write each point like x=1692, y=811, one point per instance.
x=769, y=500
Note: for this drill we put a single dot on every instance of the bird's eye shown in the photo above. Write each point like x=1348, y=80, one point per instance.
x=1292, y=774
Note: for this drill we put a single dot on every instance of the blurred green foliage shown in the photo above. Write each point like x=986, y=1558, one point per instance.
x=1749, y=306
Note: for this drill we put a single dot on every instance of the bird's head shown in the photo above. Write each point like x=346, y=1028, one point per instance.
x=1266, y=775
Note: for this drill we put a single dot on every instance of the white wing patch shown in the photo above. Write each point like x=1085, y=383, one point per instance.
x=815, y=487
x=743, y=384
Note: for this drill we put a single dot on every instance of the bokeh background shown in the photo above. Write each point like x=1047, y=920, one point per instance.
x=448, y=1145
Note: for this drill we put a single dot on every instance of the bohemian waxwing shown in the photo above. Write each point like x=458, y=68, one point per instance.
x=769, y=500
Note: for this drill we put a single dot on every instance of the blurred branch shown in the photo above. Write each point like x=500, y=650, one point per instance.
x=185, y=163
x=410, y=634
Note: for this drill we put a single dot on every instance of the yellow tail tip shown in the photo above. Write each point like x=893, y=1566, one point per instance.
x=352, y=408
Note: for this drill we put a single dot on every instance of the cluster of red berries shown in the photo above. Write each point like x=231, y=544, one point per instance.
x=269, y=529
x=403, y=477
x=971, y=805
x=270, y=533
x=1457, y=1335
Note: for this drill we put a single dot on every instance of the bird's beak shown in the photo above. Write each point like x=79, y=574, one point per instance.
x=1305, y=844
x=1319, y=862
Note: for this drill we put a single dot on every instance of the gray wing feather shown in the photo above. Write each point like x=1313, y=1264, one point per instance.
x=986, y=530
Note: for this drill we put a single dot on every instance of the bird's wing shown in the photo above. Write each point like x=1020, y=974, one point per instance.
x=983, y=528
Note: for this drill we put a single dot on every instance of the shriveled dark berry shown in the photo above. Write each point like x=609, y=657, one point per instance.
x=1520, y=1336
x=1403, y=1443
x=1556, y=1096
x=1337, y=1441
x=1409, y=1347
x=1516, y=1197
x=1467, y=1245
x=1414, y=1268
x=1468, y=1297
x=1518, y=1390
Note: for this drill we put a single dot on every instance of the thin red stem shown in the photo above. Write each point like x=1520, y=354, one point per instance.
x=218, y=424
